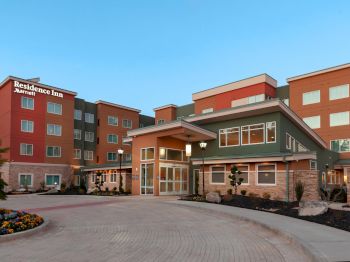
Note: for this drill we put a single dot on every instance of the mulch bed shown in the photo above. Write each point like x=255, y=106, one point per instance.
x=335, y=218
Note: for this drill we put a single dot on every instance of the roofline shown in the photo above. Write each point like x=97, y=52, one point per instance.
x=163, y=107
x=86, y=169
x=235, y=85
x=170, y=125
x=318, y=72
x=291, y=157
x=258, y=106
x=118, y=106
x=37, y=84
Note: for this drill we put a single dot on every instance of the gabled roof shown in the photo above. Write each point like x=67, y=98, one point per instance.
x=14, y=78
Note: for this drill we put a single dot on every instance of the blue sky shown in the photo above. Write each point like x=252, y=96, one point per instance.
x=145, y=54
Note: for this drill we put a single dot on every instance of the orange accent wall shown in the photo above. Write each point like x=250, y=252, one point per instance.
x=223, y=100
x=103, y=129
x=322, y=82
x=168, y=114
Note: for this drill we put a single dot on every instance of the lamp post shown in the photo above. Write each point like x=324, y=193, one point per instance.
x=203, y=146
x=120, y=153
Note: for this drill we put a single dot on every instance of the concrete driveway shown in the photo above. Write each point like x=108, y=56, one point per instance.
x=88, y=228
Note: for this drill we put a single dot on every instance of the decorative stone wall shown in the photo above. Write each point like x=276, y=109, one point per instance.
x=38, y=171
x=277, y=192
x=110, y=185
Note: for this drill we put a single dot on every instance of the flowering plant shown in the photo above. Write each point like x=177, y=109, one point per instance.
x=12, y=221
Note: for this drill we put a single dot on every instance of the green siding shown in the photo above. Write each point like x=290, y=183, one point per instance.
x=185, y=110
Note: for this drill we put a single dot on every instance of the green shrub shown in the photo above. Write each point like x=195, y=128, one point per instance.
x=63, y=186
x=107, y=189
x=266, y=195
x=42, y=185
x=243, y=192
x=299, y=190
x=121, y=189
x=338, y=195
x=2, y=187
x=229, y=191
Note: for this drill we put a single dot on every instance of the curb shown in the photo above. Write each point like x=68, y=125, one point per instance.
x=309, y=250
x=26, y=233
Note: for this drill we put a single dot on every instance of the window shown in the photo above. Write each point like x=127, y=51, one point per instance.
x=54, y=108
x=25, y=179
x=217, y=175
x=88, y=155
x=77, y=114
x=207, y=110
x=339, y=119
x=125, y=143
x=111, y=156
x=27, y=103
x=112, y=120
x=172, y=154
x=113, y=178
x=160, y=121
x=93, y=178
x=54, y=130
x=27, y=126
x=147, y=153
x=286, y=101
x=127, y=123
x=248, y=100
x=338, y=92
x=253, y=134
x=313, y=122
x=266, y=174
x=52, y=180
x=89, y=118
x=77, y=134
x=53, y=151
x=112, y=139
x=89, y=136
x=313, y=165
x=77, y=154
x=126, y=157
x=244, y=173
x=229, y=137
x=270, y=132
x=294, y=145
x=340, y=145
x=26, y=149
x=312, y=97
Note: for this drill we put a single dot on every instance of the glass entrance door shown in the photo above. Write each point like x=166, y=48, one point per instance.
x=147, y=171
x=173, y=180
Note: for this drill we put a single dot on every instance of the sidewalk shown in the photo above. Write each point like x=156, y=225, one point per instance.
x=323, y=242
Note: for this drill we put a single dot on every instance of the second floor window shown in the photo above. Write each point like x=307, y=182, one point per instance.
x=54, y=108
x=77, y=154
x=229, y=137
x=77, y=134
x=54, y=130
x=312, y=97
x=88, y=155
x=27, y=126
x=111, y=156
x=89, y=136
x=53, y=151
x=26, y=149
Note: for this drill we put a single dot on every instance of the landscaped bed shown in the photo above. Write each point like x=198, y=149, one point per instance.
x=12, y=221
x=334, y=218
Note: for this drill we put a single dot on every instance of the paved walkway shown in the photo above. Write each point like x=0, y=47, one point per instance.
x=135, y=229
x=329, y=244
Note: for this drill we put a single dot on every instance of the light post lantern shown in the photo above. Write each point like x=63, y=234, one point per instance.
x=120, y=153
x=203, y=146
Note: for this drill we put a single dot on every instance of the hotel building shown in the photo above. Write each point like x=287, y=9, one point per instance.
x=54, y=137
x=274, y=135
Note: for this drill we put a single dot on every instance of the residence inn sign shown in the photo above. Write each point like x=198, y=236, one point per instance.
x=31, y=90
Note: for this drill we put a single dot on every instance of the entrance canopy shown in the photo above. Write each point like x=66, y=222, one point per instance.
x=180, y=129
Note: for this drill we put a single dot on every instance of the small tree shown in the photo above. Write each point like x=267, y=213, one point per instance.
x=235, y=180
x=2, y=182
x=196, y=187
x=299, y=190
